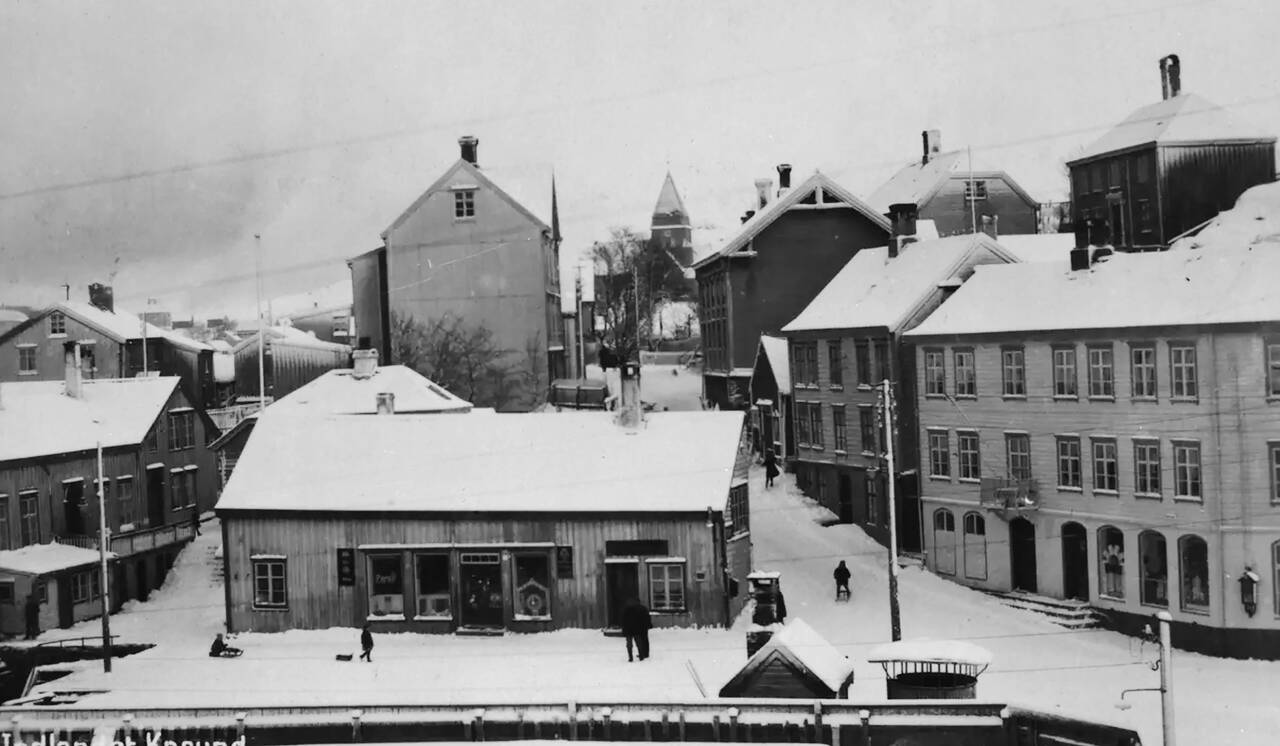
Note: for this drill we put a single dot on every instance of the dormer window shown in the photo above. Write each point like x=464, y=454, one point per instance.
x=57, y=324
x=464, y=203
x=975, y=190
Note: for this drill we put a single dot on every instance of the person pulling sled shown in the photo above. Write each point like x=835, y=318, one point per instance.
x=220, y=649
x=842, y=576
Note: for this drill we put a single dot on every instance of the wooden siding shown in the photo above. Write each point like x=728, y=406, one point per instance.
x=317, y=601
x=951, y=212
x=1199, y=181
x=369, y=303
x=287, y=368
x=50, y=356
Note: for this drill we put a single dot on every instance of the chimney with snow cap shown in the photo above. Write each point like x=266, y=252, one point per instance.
x=784, y=178
x=1170, y=76
x=364, y=363
x=629, y=407
x=386, y=403
x=902, y=216
x=71, y=366
x=763, y=188
x=469, y=145
x=932, y=140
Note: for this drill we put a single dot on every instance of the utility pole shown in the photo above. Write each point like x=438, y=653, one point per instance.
x=105, y=596
x=1166, y=677
x=262, y=330
x=582, y=352
x=895, y=617
x=635, y=292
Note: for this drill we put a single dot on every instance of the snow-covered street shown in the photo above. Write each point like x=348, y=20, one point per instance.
x=1036, y=663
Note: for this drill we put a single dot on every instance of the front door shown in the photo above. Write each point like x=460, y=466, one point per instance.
x=846, y=499
x=481, y=589
x=1075, y=562
x=1022, y=554
x=144, y=590
x=72, y=507
x=622, y=581
x=66, y=617
x=155, y=496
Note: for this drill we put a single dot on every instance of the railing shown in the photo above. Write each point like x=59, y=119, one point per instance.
x=85, y=642
x=1010, y=497
x=228, y=417
x=134, y=542
x=82, y=541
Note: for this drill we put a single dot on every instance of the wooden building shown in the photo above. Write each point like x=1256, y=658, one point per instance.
x=159, y=476
x=523, y=522
x=796, y=663
x=848, y=341
x=785, y=252
x=1110, y=434
x=292, y=358
x=467, y=252
x=958, y=197
x=1165, y=169
x=111, y=344
x=771, y=412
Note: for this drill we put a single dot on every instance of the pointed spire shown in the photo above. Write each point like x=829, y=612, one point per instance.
x=669, y=202
x=555, y=212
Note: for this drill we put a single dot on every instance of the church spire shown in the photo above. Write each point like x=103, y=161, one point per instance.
x=669, y=205
x=555, y=213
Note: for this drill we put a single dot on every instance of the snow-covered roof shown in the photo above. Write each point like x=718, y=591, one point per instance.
x=777, y=207
x=775, y=351
x=39, y=559
x=931, y=651
x=1122, y=291
x=1185, y=118
x=119, y=325
x=463, y=173
x=340, y=392
x=555, y=462
x=874, y=290
x=284, y=334
x=803, y=647
x=10, y=315
x=1039, y=247
x=38, y=418
x=917, y=182
x=1254, y=220
x=329, y=297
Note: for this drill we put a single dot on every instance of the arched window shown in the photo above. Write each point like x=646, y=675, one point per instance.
x=1111, y=561
x=1155, y=568
x=944, y=542
x=1275, y=575
x=975, y=546
x=1193, y=569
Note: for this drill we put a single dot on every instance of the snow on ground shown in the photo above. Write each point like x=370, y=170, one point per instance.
x=1035, y=663
x=672, y=387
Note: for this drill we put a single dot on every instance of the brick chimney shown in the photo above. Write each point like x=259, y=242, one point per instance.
x=784, y=178
x=469, y=145
x=102, y=296
x=71, y=366
x=364, y=363
x=763, y=189
x=990, y=225
x=386, y=403
x=1170, y=76
x=629, y=407
x=902, y=216
x=932, y=140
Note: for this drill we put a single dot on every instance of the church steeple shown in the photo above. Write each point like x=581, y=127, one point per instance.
x=670, y=227
x=555, y=214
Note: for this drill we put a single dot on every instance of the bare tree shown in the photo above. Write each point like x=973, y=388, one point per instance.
x=463, y=359
x=633, y=277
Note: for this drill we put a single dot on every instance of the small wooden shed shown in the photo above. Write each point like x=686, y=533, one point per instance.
x=797, y=663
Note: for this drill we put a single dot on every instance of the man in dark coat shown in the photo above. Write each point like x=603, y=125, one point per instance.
x=32, y=610
x=366, y=643
x=842, y=575
x=770, y=467
x=635, y=627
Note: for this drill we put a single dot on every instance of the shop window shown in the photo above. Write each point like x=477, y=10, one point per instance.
x=533, y=586
x=269, y=584
x=434, y=599
x=1111, y=561
x=666, y=586
x=85, y=586
x=1155, y=569
x=1193, y=569
x=386, y=585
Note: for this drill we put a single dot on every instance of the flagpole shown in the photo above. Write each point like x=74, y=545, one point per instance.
x=262, y=331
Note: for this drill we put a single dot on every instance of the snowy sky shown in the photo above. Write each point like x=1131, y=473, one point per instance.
x=146, y=142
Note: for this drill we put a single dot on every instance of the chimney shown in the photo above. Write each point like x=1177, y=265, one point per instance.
x=469, y=144
x=989, y=225
x=102, y=296
x=1080, y=254
x=902, y=215
x=364, y=363
x=1170, y=76
x=71, y=364
x=784, y=177
x=386, y=403
x=763, y=188
x=748, y=215
x=629, y=407
x=932, y=144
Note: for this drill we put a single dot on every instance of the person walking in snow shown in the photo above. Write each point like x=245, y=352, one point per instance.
x=770, y=467
x=842, y=575
x=366, y=643
x=635, y=627
x=32, y=610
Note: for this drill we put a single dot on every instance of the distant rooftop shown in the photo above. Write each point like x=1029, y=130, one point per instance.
x=340, y=392
x=1185, y=118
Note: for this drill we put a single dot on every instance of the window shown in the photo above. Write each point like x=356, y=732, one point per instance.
x=1069, y=462
x=867, y=429
x=1105, y=476
x=1145, y=220
x=88, y=360
x=85, y=586
x=1142, y=168
x=802, y=423
x=533, y=585
x=835, y=362
x=1146, y=468
x=4, y=523
x=1193, y=569
x=966, y=374
x=862, y=361
x=840, y=427
x=269, y=585
x=872, y=489
x=431, y=575
x=182, y=429
x=666, y=586
x=815, y=424
x=1013, y=371
x=1273, y=448
x=7, y=594
x=1182, y=361
x=1111, y=562
x=386, y=585
x=1095, y=177
x=944, y=542
x=124, y=500
x=1155, y=569
x=1186, y=470
x=341, y=326
x=1102, y=381
x=1273, y=369
x=804, y=356
x=27, y=360
x=935, y=373
x=975, y=546
x=1275, y=574
x=1064, y=372
x=1113, y=174
x=29, y=517
x=57, y=324
x=968, y=457
x=182, y=488
x=1142, y=363
x=153, y=440
x=883, y=367
x=739, y=510
x=939, y=454
x=1019, y=447
x=464, y=203
x=975, y=190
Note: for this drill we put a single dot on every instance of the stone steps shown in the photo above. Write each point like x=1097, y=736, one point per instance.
x=1069, y=613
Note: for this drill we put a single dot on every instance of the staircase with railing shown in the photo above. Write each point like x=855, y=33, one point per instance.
x=133, y=542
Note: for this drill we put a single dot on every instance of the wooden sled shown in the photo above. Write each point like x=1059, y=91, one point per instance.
x=344, y=656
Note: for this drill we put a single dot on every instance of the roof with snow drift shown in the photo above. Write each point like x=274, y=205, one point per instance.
x=40, y=559
x=775, y=351
x=1185, y=118
x=340, y=392
x=801, y=651
x=120, y=326
x=917, y=182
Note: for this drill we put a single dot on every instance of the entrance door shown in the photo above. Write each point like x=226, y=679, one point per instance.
x=144, y=589
x=155, y=496
x=66, y=617
x=622, y=581
x=846, y=499
x=1075, y=562
x=1117, y=224
x=481, y=589
x=1022, y=554
x=72, y=507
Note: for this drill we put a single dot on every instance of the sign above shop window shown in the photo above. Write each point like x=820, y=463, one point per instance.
x=564, y=562
x=635, y=547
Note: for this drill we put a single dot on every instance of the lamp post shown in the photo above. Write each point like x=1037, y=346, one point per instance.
x=1165, y=665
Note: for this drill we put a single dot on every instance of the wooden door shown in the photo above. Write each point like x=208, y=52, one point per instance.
x=1075, y=562
x=846, y=499
x=155, y=496
x=1022, y=554
x=481, y=576
x=622, y=581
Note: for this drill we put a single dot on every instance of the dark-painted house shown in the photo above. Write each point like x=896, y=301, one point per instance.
x=1166, y=169
x=291, y=357
x=784, y=253
x=771, y=399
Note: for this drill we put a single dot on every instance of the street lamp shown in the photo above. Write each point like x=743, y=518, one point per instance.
x=103, y=534
x=1249, y=581
x=1165, y=664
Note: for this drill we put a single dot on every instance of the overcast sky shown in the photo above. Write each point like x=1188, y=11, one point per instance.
x=145, y=143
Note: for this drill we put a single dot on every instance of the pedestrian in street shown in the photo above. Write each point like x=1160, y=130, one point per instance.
x=780, y=607
x=220, y=649
x=635, y=627
x=32, y=610
x=770, y=467
x=366, y=643
x=842, y=575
